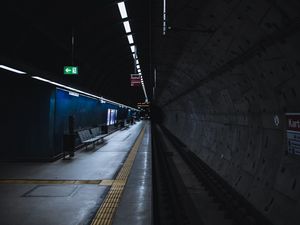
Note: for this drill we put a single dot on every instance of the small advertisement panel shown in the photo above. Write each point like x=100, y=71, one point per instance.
x=293, y=132
x=111, y=116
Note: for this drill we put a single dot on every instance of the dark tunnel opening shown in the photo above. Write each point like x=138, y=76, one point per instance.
x=157, y=114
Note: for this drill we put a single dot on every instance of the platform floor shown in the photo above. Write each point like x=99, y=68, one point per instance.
x=136, y=203
x=70, y=192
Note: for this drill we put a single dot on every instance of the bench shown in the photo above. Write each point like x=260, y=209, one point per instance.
x=96, y=133
x=88, y=137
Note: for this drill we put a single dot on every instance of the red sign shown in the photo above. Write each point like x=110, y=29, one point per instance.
x=293, y=122
x=293, y=133
x=135, y=80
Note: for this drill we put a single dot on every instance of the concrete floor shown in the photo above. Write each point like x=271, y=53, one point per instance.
x=55, y=204
x=136, y=203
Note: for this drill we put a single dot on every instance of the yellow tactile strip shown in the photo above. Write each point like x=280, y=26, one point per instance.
x=42, y=181
x=108, y=208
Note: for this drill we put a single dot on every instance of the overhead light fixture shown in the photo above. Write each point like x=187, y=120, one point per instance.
x=64, y=86
x=79, y=91
x=122, y=10
x=12, y=69
x=132, y=48
x=164, y=17
x=130, y=39
x=127, y=26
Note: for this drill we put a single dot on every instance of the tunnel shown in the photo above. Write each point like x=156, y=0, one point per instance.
x=218, y=79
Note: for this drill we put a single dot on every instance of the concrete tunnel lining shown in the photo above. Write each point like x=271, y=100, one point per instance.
x=224, y=98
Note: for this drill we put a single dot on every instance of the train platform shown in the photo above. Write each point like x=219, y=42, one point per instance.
x=110, y=184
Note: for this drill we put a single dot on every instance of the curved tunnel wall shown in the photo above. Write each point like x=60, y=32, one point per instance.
x=227, y=92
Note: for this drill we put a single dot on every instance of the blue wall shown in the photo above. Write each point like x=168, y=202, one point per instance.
x=87, y=112
x=35, y=117
x=25, y=130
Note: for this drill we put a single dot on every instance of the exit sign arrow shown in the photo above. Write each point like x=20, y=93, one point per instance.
x=71, y=70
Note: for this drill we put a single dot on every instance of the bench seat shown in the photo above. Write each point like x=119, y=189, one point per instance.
x=90, y=136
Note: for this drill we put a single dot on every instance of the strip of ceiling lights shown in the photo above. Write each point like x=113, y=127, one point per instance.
x=133, y=48
x=72, y=91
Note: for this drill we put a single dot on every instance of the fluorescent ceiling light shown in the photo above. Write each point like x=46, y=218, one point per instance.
x=132, y=48
x=127, y=26
x=64, y=86
x=12, y=69
x=122, y=10
x=130, y=39
x=78, y=91
x=124, y=15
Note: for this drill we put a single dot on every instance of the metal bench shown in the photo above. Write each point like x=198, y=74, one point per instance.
x=87, y=138
x=96, y=133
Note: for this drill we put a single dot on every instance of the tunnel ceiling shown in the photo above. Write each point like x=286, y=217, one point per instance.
x=205, y=42
x=36, y=35
x=215, y=45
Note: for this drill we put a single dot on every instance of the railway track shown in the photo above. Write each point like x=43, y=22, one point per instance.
x=173, y=200
x=171, y=203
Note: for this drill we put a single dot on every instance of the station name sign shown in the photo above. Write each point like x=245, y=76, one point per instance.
x=293, y=122
x=293, y=132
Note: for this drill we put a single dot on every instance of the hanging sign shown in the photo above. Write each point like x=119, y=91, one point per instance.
x=135, y=80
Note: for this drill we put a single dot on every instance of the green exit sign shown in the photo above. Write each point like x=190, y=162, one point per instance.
x=71, y=70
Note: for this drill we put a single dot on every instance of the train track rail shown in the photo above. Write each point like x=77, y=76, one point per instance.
x=169, y=205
